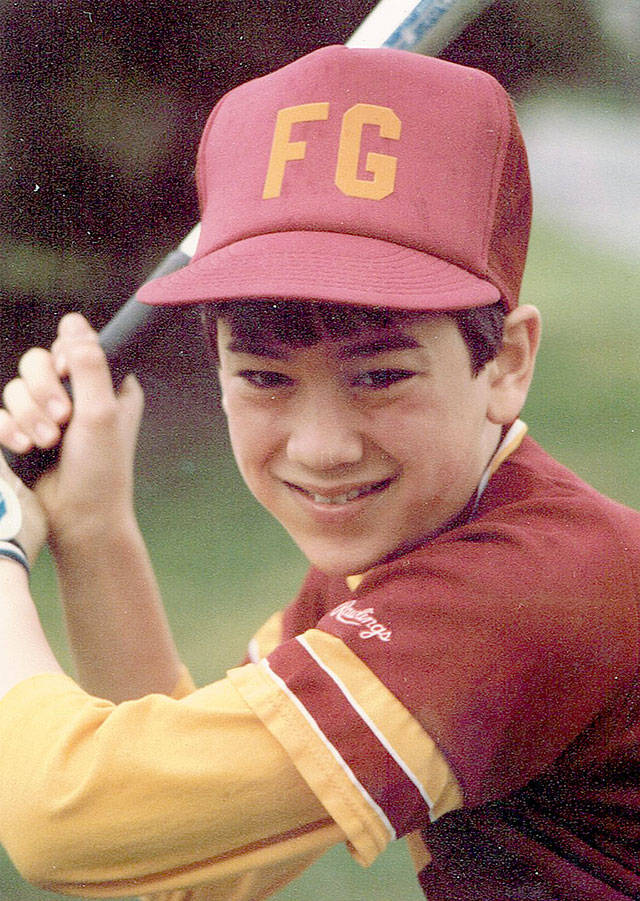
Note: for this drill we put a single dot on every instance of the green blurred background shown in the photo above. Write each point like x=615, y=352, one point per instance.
x=102, y=108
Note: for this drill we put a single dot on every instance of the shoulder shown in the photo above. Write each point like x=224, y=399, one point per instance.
x=545, y=560
x=548, y=507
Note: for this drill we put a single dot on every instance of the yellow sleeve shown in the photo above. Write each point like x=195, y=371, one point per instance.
x=152, y=795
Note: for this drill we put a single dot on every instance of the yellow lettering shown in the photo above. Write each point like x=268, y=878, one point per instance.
x=282, y=149
x=380, y=165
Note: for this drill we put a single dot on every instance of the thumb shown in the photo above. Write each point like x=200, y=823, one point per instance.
x=131, y=399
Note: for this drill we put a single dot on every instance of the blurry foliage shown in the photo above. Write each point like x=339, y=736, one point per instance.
x=102, y=108
x=103, y=104
x=526, y=44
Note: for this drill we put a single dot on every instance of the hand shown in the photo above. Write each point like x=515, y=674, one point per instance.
x=92, y=485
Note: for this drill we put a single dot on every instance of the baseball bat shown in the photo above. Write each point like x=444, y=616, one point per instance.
x=426, y=26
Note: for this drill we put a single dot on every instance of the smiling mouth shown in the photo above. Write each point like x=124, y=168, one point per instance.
x=336, y=499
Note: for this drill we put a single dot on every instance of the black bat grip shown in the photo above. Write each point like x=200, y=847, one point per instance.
x=121, y=339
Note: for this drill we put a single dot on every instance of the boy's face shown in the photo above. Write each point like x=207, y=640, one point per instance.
x=360, y=446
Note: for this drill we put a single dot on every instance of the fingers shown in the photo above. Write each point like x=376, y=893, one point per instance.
x=94, y=471
x=36, y=401
x=36, y=404
x=78, y=354
x=11, y=435
x=73, y=332
x=37, y=407
x=29, y=418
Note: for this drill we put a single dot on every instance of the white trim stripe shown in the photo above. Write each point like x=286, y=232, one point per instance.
x=253, y=651
x=509, y=443
x=369, y=722
x=330, y=747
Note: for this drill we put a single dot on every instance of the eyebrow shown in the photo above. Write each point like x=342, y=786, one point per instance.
x=253, y=349
x=381, y=345
x=367, y=348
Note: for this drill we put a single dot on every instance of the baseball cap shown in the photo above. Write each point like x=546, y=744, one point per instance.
x=377, y=177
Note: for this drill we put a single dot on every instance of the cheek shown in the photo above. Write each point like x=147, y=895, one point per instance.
x=410, y=431
x=433, y=440
x=245, y=440
x=253, y=432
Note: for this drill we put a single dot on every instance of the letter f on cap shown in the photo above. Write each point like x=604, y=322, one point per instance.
x=282, y=149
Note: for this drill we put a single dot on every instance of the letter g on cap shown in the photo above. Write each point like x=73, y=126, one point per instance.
x=382, y=166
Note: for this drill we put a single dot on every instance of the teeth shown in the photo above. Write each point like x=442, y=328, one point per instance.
x=348, y=496
x=337, y=499
x=344, y=498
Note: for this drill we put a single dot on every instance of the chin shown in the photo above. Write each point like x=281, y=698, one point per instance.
x=340, y=561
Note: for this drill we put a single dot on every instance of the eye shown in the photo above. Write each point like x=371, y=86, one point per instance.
x=378, y=379
x=267, y=379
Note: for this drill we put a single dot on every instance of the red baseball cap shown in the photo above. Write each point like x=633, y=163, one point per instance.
x=376, y=177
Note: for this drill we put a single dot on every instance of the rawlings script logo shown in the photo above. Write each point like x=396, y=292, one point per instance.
x=346, y=613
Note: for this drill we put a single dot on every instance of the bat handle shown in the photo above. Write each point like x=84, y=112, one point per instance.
x=121, y=339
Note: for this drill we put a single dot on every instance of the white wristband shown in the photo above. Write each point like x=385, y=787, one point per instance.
x=11, y=550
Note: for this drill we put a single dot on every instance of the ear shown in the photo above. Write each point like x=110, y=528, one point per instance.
x=512, y=370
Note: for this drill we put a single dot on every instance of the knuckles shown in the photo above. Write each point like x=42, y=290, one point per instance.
x=10, y=435
x=101, y=413
x=87, y=354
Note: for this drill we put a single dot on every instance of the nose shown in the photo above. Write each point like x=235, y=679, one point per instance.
x=324, y=434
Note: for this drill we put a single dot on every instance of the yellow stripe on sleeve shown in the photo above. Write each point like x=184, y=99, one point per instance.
x=398, y=728
x=366, y=833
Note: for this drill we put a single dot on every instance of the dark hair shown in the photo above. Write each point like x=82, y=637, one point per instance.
x=302, y=324
x=482, y=329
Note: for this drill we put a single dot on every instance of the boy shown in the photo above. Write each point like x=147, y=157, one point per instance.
x=460, y=665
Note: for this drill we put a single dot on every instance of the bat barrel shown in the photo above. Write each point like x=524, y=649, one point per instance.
x=425, y=26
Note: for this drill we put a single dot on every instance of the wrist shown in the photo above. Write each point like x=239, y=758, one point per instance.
x=13, y=557
x=23, y=526
x=84, y=535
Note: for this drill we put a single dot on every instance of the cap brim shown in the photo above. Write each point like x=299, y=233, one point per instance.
x=326, y=267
